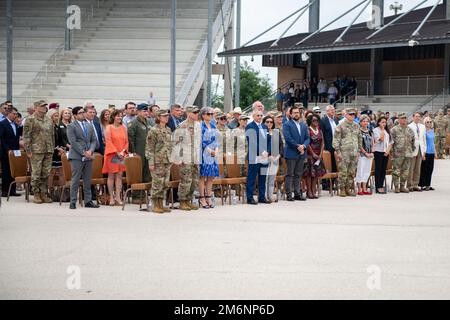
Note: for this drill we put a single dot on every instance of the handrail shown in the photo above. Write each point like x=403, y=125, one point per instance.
x=51, y=63
x=201, y=57
x=444, y=94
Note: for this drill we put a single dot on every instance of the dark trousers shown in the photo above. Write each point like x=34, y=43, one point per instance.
x=6, y=175
x=256, y=170
x=81, y=170
x=426, y=170
x=294, y=175
x=381, y=162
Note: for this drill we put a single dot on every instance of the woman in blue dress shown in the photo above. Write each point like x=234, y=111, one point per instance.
x=209, y=169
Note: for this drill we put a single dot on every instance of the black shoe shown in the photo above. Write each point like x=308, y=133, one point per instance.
x=73, y=206
x=15, y=194
x=290, y=198
x=91, y=205
x=252, y=201
x=264, y=201
x=299, y=197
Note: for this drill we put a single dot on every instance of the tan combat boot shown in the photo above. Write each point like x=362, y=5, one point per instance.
x=397, y=189
x=161, y=204
x=350, y=192
x=342, y=193
x=184, y=205
x=192, y=205
x=403, y=189
x=156, y=206
x=37, y=198
x=45, y=198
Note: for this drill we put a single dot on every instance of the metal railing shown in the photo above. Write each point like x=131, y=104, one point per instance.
x=436, y=101
x=199, y=63
x=51, y=64
x=413, y=85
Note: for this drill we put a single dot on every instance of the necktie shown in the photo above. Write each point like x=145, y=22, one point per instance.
x=84, y=130
x=417, y=126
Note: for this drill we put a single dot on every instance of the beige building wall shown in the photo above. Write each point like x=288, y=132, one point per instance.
x=287, y=74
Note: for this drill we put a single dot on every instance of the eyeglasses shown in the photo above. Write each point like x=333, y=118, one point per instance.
x=427, y=121
x=209, y=114
x=270, y=121
x=224, y=118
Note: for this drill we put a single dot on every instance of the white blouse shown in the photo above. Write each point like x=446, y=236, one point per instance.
x=380, y=146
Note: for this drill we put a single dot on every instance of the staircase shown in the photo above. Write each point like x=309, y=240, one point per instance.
x=121, y=55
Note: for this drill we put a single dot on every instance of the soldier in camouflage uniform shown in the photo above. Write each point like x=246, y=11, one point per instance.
x=39, y=141
x=403, y=144
x=447, y=117
x=224, y=138
x=440, y=131
x=347, y=142
x=240, y=143
x=186, y=154
x=137, y=138
x=158, y=151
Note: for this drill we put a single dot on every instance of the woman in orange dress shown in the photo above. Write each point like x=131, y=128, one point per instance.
x=116, y=148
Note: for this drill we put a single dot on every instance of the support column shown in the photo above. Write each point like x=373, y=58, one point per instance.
x=173, y=51
x=209, y=53
x=376, y=72
x=66, y=29
x=228, y=72
x=447, y=65
x=447, y=7
x=237, y=73
x=9, y=50
x=378, y=12
x=314, y=25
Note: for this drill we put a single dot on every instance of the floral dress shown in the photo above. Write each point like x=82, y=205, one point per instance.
x=209, y=166
x=312, y=170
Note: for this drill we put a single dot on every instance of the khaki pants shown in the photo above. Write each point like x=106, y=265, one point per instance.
x=414, y=170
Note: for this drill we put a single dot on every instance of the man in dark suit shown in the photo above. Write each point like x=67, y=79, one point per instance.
x=9, y=135
x=259, y=149
x=296, y=138
x=328, y=124
x=176, y=113
x=83, y=143
x=90, y=118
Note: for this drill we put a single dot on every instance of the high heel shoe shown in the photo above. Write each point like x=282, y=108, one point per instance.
x=209, y=202
x=204, y=206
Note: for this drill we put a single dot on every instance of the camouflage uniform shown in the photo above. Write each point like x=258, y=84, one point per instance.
x=440, y=128
x=158, y=151
x=347, y=142
x=39, y=138
x=187, y=142
x=402, y=145
x=240, y=148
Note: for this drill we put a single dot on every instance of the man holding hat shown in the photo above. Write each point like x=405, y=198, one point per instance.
x=186, y=154
x=39, y=142
x=137, y=138
x=403, y=144
x=347, y=142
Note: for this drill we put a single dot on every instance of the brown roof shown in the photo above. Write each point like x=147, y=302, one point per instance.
x=435, y=30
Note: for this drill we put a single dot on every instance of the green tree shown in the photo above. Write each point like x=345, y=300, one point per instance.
x=254, y=87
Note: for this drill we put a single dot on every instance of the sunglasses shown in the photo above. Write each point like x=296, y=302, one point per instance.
x=209, y=114
x=269, y=121
x=224, y=118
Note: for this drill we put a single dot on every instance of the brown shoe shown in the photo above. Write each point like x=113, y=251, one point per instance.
x=342, y=193
x=192, y=206
x=417, y=189
x=184, y=205
x=156, y=206
x=397, y=190
x=45, y=198
x=37, y=198
x=403, y=190
x=350, y=192
x=161, y=204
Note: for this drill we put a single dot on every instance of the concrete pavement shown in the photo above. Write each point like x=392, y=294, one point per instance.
x=394, y=246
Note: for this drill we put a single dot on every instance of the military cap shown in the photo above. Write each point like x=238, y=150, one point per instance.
x=53, y=105
x=220, y=115
x=316, y=109
x=350, y=111
x=402, y=115
x=244, y=117
x=40, y=103
x=162, y=112
x=192, y=109
x=142, y=106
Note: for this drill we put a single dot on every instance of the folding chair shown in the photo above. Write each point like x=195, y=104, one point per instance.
x=133, y=167
x=97, y=175
x=330, y=176
x=18, y=167
x=67, y=173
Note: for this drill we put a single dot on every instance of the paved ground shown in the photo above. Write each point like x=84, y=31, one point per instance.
x=320, y=249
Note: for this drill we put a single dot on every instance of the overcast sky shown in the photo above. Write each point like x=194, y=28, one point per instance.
x=259, y=15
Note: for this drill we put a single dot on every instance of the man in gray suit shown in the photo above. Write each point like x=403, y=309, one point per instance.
x=83, y=142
